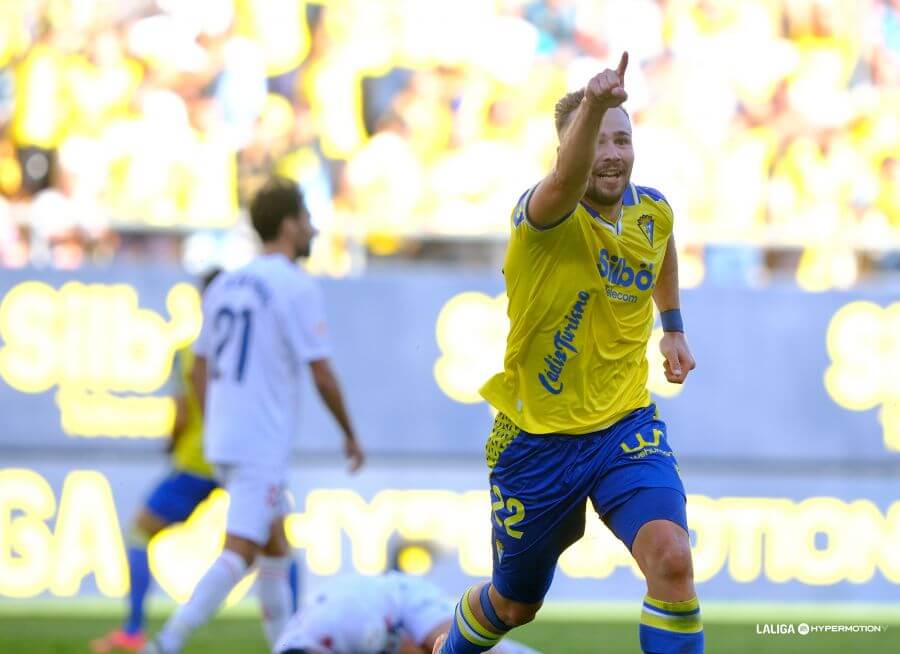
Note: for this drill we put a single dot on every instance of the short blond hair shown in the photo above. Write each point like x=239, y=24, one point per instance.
x=564, y=108
x=567, y=105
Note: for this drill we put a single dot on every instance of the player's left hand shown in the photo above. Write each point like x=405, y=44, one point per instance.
x=679, y=360
x=354, y=454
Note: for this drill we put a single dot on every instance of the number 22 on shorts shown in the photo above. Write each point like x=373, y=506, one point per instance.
x=515, y=508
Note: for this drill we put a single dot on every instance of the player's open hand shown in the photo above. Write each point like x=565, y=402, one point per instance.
x=607, y=89
x=354, y=454
x=679, y=360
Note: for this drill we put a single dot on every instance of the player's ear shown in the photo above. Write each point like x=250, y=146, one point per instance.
x=288, y=227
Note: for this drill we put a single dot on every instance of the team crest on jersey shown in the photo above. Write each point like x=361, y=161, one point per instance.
x=645, y=222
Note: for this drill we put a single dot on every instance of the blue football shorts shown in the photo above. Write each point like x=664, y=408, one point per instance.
x=178, y=494
x=540, y=485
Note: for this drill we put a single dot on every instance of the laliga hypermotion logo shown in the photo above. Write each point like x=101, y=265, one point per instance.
x=863, y=342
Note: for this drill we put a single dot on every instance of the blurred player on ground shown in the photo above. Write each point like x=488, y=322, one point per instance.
x=394, y=613
x=261, y=324
x=575, y=421
x=173, y=500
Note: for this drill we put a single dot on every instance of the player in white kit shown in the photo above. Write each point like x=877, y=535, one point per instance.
x=389, y=614
x=261, y=324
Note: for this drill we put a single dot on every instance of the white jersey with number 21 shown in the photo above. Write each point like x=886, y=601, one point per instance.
x=261, y=324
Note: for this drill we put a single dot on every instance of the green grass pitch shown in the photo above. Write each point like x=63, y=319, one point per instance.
x=565, y=629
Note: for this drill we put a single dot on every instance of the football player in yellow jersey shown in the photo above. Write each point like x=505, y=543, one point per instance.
x=588, y=254
x=171, y=501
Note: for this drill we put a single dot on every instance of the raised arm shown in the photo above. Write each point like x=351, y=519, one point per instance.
x=559, y=192
x=674, y=347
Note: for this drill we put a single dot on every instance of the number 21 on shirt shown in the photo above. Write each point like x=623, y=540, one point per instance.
x=233, y=330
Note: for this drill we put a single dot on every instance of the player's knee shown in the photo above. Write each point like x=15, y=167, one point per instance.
x=246, y=549
x=277, y=544
x=663, y=551
x=515, y=614
x=276, y=547
x=146, y=525
x=673, y=562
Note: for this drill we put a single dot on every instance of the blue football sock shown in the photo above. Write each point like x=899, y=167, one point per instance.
x=294, y=582
x=467, y=634
x=139, y=575
x=671, y=627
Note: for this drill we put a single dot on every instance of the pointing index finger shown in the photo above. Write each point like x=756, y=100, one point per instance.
x=623, y=64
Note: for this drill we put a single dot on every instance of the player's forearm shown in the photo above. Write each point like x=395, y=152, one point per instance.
x=180, y=421
x=198, y=380
x=181, y=414
x=330, y=392
x=559, y=193
x=576, y=150
x=666, y=292
x=331, y=395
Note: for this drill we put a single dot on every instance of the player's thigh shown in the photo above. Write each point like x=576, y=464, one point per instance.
x=641, y=482
x=257, y=499
x=537, y=508
x=525, y=576
x=658, y=515
x=176, y=497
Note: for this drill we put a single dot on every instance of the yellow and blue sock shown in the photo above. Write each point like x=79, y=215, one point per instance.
x=467, y=634
x=139, y=576
x=671, y=627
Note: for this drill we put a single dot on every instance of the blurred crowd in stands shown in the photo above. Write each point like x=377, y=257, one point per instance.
x=771, y=126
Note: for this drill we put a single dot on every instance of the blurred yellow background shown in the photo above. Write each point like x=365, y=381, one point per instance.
x=768, y=124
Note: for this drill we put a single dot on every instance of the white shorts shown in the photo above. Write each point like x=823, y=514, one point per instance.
x=257, y=497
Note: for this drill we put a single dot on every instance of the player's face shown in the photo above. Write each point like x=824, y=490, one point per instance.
x=613, y=159
x=303, y=236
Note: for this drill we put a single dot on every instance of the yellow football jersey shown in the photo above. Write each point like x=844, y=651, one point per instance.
x=581, y=313
x=188, y=452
